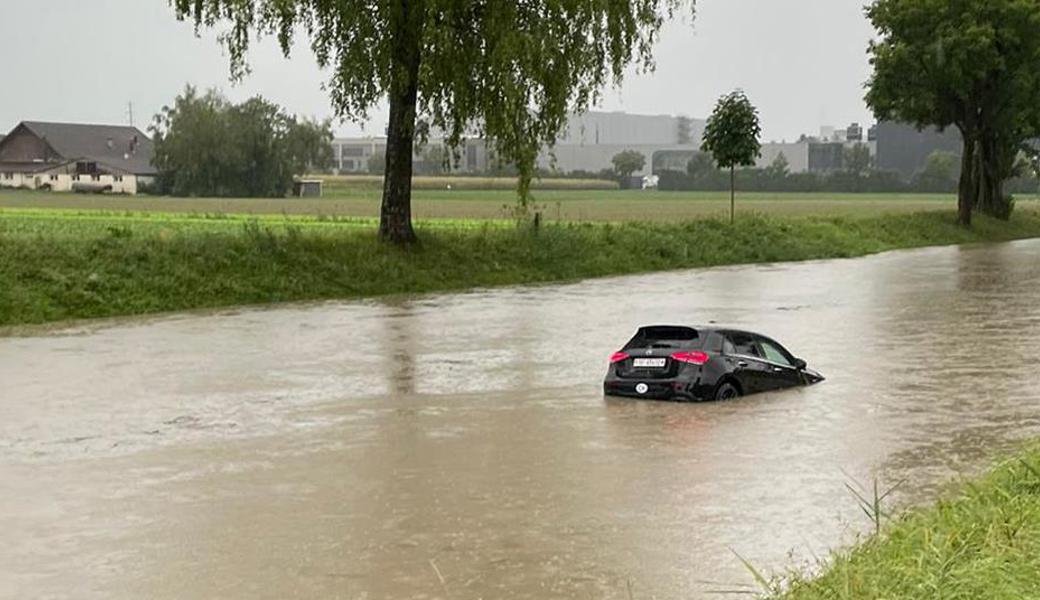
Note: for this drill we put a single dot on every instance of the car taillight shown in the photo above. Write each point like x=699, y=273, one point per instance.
x=693, y=358
x=618, y=357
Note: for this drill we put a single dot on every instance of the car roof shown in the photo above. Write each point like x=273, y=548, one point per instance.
x=708, y=329
x=695, y=327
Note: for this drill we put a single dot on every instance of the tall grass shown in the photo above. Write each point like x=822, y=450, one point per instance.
x=55, y=267
x=983, y=542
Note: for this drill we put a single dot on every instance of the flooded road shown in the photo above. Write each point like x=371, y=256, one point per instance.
x=459, y=446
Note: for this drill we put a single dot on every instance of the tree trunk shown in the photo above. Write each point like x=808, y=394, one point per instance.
x=967, y=190
x=732, y=196
x=983, y=201
x=395, y=217
x=994, y=164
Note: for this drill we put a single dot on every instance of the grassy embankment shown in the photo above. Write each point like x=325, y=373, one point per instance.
x=57, y=265
x=981, y=543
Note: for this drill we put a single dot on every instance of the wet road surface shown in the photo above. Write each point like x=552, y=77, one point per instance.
x=459, y=446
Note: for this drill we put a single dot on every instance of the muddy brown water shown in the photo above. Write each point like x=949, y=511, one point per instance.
x=458, y=446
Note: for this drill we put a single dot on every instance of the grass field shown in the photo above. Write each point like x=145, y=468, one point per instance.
x=72, y=264
x=983, y=542
x=565, y=205
x=338, y=184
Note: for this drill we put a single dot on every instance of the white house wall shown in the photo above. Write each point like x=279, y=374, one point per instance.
x=61, y=182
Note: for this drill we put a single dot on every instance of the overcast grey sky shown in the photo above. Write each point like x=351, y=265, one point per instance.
x=802, y=62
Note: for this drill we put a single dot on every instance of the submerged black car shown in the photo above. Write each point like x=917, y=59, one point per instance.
x=706, y=363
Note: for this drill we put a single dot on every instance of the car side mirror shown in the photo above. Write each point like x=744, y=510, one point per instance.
x=800, y=364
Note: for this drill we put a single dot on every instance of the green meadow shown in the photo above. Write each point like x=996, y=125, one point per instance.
x=359, y=199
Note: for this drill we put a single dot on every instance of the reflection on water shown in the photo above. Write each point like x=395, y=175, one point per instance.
x=459, y=446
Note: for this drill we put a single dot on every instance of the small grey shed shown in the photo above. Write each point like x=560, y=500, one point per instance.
x=307, y=188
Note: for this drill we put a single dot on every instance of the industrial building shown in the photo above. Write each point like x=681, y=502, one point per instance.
x=592, y=140
x=353, y=155
x=796, y=154
x=904, y=149
x=589, y=143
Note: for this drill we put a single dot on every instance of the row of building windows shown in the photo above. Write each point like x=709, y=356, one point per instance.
x=115, y=178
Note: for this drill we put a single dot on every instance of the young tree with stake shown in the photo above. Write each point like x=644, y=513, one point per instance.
x=731, y=136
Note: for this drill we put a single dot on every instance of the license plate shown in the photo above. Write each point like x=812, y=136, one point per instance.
x=649, y=363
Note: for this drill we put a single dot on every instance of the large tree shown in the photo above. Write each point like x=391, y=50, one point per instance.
x=968, y=64
x=626, y=163
x=207, y=146
x=504, y=70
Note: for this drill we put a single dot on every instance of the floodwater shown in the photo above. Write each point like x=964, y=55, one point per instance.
x=458, y=446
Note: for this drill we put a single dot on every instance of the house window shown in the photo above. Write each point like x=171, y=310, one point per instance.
x=54, y=177
x=95, y=178
x=86, y=168
x=119, y=179
x=8, y=176
x=75, y=177
x=348, y=165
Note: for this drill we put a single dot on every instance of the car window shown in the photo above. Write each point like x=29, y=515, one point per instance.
x=774, y=354
x=665, y=337
x=744, y=345
x=715, y=343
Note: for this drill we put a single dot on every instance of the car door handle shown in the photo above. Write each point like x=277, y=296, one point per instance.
x=777, y=370
x=742, y=364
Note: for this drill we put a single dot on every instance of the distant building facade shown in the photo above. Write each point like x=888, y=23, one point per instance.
x=596, y=128
x=905, y=150
x=589, y=143
x=822, y=154
x=854, y=133
x=567, y=158
x=592, y=139
x=76, y=157
x=826, y=157
x=796, y=154
x=355, y=155
x=351, y=155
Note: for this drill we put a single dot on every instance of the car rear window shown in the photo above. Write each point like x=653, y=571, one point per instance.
x=664, y=337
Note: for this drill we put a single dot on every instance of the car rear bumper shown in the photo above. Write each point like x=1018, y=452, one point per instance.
x=664, y=389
